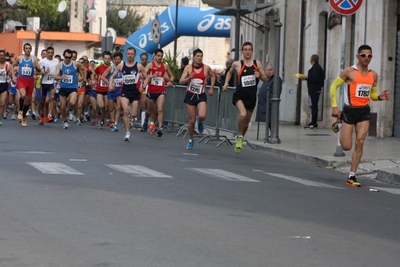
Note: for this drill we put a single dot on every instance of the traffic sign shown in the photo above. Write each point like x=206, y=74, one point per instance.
x=156, y=31
x=345, y=7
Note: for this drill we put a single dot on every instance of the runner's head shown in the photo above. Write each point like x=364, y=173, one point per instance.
x=107, y=58
x=117, y=58
x=74, y=55
x=130, y=54
x=197, y=58
x=2, y=56
x=158, y=55
x=50, y=52
x=144, y=59
x=247, y=50
x=27, y=49
x=364, y=55
x=67, y=56
x=43, y=54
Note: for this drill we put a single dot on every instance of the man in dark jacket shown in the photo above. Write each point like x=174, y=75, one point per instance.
x=315, y=83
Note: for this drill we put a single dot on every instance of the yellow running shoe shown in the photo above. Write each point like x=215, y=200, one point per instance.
x=23, y=122
x=239, y=144
x=352, y=181
x=20, y=115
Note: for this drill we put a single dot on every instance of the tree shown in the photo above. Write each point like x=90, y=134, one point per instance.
x=124, y=27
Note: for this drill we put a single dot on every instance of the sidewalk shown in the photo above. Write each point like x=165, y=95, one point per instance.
x=381, y=156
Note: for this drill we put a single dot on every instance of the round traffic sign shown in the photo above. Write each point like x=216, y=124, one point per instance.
x=345, y=7
x=156, y=30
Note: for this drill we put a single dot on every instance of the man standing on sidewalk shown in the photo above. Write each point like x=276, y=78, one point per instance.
x=249, y=72
x=315, y=83
x=356, y=111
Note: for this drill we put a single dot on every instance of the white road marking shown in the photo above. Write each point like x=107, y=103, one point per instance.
x=78, y=160
x=225, y=175
x=300, y=180
x=138, y=171
x=54, y=168
x=395, y=191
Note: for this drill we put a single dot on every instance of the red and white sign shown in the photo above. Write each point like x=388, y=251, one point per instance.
x=345, y=7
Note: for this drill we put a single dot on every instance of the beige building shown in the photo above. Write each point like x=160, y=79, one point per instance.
x=312, y=27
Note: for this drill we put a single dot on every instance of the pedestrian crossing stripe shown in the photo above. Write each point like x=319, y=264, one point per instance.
x=224, y=175
x=54, y=168
x=138, y=171
x=300, y=180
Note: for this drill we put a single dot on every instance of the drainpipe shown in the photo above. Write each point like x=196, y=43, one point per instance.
x=366, y=20
x=284, y=44
x=301, y=60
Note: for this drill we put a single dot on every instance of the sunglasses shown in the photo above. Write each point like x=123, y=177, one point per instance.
x=68, y=57
x=365, y=55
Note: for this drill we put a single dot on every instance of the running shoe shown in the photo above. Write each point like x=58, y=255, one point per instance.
x=20, y=113
x=239, y=144
x=114, y=128
x=190, y=144
x=79, y=123
x=200, y=126
x=152, y=128
x=42, y=120
x=352, y=181
x=13, y=117
x=127, y=136
x=50, y=118
x=145, y=125
x=1, y=123
x=311, y=126
x=33, y=116
x=5, y=116
x=160, y=132
x=92, y=123
x=66, y=125
x=23, y=122
x=100, y=125
x=56, y=119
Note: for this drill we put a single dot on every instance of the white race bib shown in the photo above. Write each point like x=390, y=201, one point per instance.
x=363, y=90
x=68, y=79
x=195, y=87
x=117, y=82
x=50, y=78
x=157, y=81
x=102, y=83
x=129, y=79
x=3, y=75
x=26, y=71
x=248, y=81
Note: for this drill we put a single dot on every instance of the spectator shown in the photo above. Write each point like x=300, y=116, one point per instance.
x=184, y=63
x=228, y=65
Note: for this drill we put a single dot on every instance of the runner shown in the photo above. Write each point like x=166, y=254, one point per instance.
x=355, y=114
x=143, y=98
x=48, y=66
x=114, y=100
x=195, y=75
x=249, y=71
x=13, y=97
x=26, y=83
x=129, y=94
x=159, y=73
x=36, y=95
x=102, y=87
x=67, y=72
x=6, y=71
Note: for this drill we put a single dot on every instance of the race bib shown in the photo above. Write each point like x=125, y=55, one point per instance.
x=50, y=78
x=3, y=75
x=248, y=81
x=117, y=82
x=129, y=79
x=68, y=79
x=102, y=83
x=26, y=71
x=363, y=90
x=157, y=81
x=195, y=88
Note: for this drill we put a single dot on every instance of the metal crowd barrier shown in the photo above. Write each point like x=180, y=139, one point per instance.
x=222, y=115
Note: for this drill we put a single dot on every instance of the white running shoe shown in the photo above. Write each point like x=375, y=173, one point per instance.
x=127, y=136
x=65, y=125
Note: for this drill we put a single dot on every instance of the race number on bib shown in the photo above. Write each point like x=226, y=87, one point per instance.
x=195, y=88
x=129, y=79
x=26, y=71
x=157, y=81
x=363, y=90
x=68, y=79
x=102, y=83
x=248, y=81
x=3, y=75
x=50, y=78
x=117, y=82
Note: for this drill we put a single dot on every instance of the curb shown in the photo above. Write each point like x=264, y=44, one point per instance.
x=389, y=175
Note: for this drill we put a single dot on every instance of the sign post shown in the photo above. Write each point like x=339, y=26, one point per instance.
x=345, y=8
x=156, y=31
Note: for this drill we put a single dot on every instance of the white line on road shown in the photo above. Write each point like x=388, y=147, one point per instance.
x=138, y=171
x=54, y=168
x=299, y=180
x=78, y=160
x=395, y=191
x=225, y=175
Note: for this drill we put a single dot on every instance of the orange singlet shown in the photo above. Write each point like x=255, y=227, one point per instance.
x=359, y=91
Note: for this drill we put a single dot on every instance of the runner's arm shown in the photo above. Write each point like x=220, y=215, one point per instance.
x=185, y=78
x=105, y=75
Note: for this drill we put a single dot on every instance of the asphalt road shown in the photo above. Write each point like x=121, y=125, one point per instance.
x=84, y=197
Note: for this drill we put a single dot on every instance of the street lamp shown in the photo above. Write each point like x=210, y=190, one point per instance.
x=122, y=12
x=92, y=11
x=11, y=2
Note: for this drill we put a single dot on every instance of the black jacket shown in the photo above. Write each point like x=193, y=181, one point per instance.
x=315, y=79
